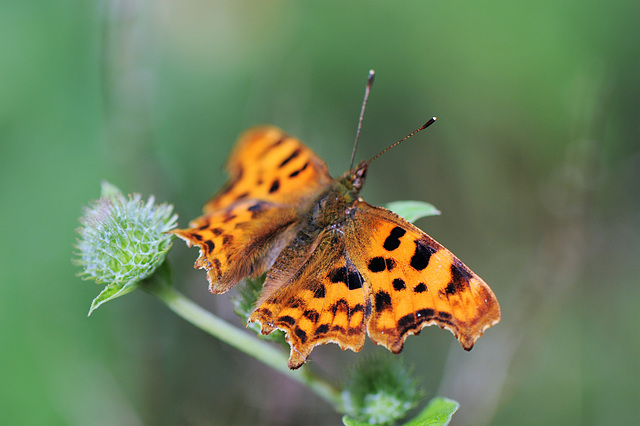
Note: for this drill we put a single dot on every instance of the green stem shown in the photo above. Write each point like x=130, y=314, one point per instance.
x=234, y=336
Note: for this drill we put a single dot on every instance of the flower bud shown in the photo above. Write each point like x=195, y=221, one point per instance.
x=379, y=391
x=122, y=241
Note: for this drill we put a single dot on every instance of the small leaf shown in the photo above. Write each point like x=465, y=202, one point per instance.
x=412, y=210
x=108, y=190
x=110, y=292
x=348, y=421
x=437, y=413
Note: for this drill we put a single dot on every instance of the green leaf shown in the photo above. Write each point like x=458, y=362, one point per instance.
x=348, y=421
x=437, y=413
x=109, y=190
x=110, y=292
x=412, y=210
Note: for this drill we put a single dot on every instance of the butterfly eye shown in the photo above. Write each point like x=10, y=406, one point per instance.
x=359, y=176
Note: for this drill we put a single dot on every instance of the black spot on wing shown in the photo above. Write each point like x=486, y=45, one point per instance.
x=338, y=328
x=287, y=320
x=383, y=301
x=390, y=263
x=312, y=315
x=352, y=331
x=322, y=329
x=425, y=313
x=266, y=312
x=412, y=321
x=444, y=315
x=294, y=302
x=393, y=240
x=460, y=276
x=210, y=246
x=300, y=170
x=293, y=155
x=450, y=289
x=274, y=186
x=338, y=275
x=421, y=256
x=301, y=335
x=377, y=264
x=407, y=323
x=320, y=292
x=398, y=284
x=350, y=276
x=341, y=304
x=420, y=288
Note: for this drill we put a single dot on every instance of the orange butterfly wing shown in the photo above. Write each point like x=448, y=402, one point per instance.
x=269, y=165
x=415, y=282
x=376, y=273
x=315, y=294
x=273, y=179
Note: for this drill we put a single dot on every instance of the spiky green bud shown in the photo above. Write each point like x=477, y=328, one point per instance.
x=122, y=241
x=379, y=391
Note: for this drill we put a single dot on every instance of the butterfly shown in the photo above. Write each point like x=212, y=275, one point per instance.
x=337, y=268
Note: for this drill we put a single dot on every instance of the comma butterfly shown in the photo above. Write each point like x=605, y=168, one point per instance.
x=337, y=267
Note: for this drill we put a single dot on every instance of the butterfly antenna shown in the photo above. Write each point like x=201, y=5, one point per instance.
x=372, y=74
x=427, y=124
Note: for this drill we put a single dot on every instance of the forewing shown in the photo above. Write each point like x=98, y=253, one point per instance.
x=269, y=165
x=273, y=180
x=315, y=294
x=415, y=281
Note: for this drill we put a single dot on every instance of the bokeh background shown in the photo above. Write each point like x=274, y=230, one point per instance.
x=534, y=162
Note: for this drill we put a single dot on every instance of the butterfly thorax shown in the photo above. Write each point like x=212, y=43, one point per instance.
x=334, y=203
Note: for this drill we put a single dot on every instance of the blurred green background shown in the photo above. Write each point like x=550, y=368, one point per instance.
x=534, y=162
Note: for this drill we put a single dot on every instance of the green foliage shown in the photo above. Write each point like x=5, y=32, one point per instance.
x=437, y=413
x=412, y=210
x=122, y=241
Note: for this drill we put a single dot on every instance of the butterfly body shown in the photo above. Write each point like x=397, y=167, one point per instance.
x=337, y=267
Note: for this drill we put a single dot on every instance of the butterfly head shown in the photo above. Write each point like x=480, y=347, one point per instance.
x=359, y=175
x=353, y=180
